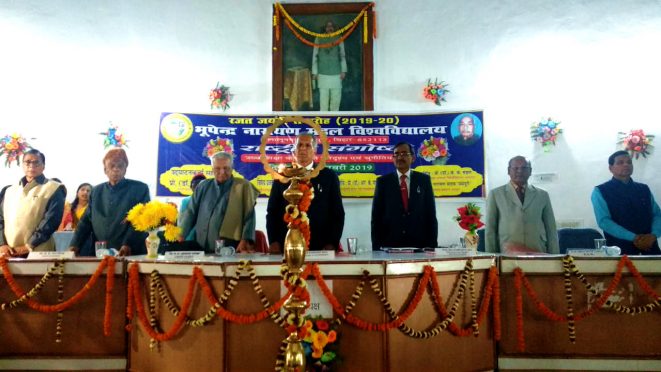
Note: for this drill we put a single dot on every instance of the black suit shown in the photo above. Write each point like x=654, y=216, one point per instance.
x=391, y=225
x=326, y=212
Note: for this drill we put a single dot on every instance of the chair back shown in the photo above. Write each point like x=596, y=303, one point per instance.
x=577, y=238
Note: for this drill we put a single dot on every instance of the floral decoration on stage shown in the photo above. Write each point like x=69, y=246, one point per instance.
x=435, y=150
x=320, y=343
x=636, y=142
x=469, y=217
x=545, y=132
x=296, y=216
x=155, y=215
x=436, y=91
x=113, y=137
x=217, y=145
x=220, y=97
x=12, y=147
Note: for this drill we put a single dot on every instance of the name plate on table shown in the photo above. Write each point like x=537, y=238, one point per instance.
x=454, y=252
x=586, y=252
x=50, y=255
x=184, y=255
x=320, y=255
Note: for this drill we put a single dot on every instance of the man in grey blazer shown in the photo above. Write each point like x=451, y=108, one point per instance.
x=520, y=218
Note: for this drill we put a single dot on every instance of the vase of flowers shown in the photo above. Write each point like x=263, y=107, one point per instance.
x=217, y=145
x=152, y=217
x=435, y=150
x=220, y=97
x=469, y=220
x=545, y=132
x=13, y=147
x=435, y=91
x=320, y=344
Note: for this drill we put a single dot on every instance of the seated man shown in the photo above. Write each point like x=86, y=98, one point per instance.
x=626, y=210
x=31, y=210
x=109, y=203
x=222, y=208
x=520, y=218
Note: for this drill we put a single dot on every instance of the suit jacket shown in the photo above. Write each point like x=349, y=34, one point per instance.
x=394, y=227
x=531, y=224
x=326, y=212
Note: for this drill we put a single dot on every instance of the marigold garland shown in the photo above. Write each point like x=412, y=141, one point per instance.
x=352, y=24
x=60, y=298
x=571, y=322
x=296, y=216
x=325, y=45
x=520, y=280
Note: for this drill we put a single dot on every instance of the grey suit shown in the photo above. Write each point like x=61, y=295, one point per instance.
x=531, y=224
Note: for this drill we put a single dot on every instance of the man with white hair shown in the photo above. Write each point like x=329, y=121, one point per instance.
x=222, y=208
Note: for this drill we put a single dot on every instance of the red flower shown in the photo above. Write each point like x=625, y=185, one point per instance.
x=322, y=325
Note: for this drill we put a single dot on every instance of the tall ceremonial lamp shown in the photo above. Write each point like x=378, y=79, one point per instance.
x=295, y=244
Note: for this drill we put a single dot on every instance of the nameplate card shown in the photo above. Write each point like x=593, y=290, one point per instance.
x=50, y=255
x=184, y=255
x=320, y=255
x=586, y=253
x=462, y=252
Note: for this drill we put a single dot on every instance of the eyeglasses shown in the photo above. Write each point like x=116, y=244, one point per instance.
x=34, y=163
x=401, y=154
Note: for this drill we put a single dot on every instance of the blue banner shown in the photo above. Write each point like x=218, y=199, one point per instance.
x=448, y=146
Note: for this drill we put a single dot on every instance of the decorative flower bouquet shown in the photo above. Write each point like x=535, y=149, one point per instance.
x=113, y=137
x=153, y=216
x=636, y=142
x=469, y=218
x=220, y=97
x=434, y=150
x=13, y=147
x=435, y=91
x=217, y=145
x=545, y=132
x=320, y=343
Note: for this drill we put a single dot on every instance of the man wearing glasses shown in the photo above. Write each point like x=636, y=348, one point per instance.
x=520, y=218
x=403, y=209
x=30, y=210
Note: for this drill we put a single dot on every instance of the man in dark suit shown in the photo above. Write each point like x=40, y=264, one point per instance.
x=326, y=212
x=404, y=209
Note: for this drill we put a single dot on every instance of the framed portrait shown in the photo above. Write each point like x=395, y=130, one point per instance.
x=323, y=57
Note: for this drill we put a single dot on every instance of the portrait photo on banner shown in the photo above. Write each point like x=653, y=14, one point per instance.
x=322, y=57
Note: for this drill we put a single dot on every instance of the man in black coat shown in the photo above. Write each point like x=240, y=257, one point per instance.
x=326, y=212
x=404, y=209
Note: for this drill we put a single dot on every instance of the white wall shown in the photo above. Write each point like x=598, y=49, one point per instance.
x=70, y=67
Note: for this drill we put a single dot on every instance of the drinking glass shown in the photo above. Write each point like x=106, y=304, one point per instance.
x=100, y=249
x=352, y=245
x=598, y=243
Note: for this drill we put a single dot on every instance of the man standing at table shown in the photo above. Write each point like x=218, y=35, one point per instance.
x=519, y=216
x=222, y=208
x=110, y=201
x=326, y=212
x=404, y=209
x=626, y=210
x=31, y=210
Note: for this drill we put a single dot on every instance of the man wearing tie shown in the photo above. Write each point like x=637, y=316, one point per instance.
x=404, y=209
x=519, y=216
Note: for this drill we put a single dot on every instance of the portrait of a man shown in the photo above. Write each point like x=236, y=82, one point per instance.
x=320, y=64
x=466, y=129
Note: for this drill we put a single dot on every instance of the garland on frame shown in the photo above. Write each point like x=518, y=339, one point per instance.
x=602, y=302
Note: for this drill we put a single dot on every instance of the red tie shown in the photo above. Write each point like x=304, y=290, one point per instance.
x=405, y=192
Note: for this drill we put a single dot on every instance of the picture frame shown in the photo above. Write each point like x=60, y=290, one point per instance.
x=295, y=87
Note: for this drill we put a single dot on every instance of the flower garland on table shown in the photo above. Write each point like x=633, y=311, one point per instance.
x=155, y=215
x=27, y=297
x=220, y=97
x=60, y=298
x=296, y=216
x=571, y=322
x=217, y=145
x=435, y=91
x=545, y=132
x=113, y=137
x=636, y=142
x=13, y=147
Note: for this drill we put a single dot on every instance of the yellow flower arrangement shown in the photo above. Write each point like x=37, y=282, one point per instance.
x=155, y=215
x=320, y=343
